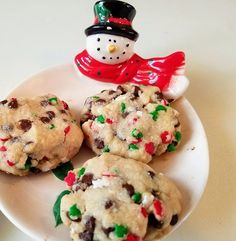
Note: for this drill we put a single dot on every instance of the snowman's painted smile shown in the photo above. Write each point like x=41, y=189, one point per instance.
x=109, y=49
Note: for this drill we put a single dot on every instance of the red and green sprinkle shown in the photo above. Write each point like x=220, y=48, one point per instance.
x=154, y=113
x=74, y=212
x=120, y=231
x=53, y=100
x=178, y=136
x=133, y=147
x=137, y=134
x=106, y=149
x=81, y=172
x=122, y=107
x=137, y=197
x=100, y=119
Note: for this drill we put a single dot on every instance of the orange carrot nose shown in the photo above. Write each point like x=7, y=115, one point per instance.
x=111, y=48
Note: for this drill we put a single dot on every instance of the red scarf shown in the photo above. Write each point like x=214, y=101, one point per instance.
x=155, y=71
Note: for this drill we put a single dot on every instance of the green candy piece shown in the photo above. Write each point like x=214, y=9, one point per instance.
x=106, y=149
x=53, y=100
x=135, y=133
x=96, y=97
x=133, y=147
x=100, y=119
x=74, y=212
x=137, y=197
x=171, y=147
x=120, y=231
x=154, y=115
x=178, y=136
x=161, y=108
x=81, y=172
x=52, y=126
x=123, y=107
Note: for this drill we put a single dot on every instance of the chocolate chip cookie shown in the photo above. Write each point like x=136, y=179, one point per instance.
x=113, y=198
x=36, y=134
x=132, y=121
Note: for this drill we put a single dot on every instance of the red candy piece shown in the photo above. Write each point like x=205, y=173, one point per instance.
x=10, y=163
x=136, y=141
x=164, y=102
x=65, y=105
x=166, y=137
x=109, y=121
x=67, y=130
x=150, y=148
x=135, y=120
x=132, y=237
x=3, y=148
x=158, y=207
x=144, y=212
x=108, y=174
x=70, y=178
x=4, y=139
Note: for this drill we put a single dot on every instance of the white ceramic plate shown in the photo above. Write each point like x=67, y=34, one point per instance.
x=28, y=201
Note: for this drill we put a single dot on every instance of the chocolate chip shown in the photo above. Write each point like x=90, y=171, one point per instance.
x=13, y=104
x=99, y=143
x=155, y=193
x=120, y=88
x=129, y=188
x=151, y=174
x=108, y=204
x=86, y=236
x=45, y=119
x=154, y=222
x=87, y=179
x=175, y=143
x=159, y=95
x=111, y=92
x=24, y=124
x=51, y=114
x=177, y=125
x=90, y=224
x=107, y=231
x=174, y=220
x=125, y=114
x=135, y=91
x=170, y=100
x=3, y=102
x=100, y=101
x=88, y=233
x=63, y=112
x=44, y=103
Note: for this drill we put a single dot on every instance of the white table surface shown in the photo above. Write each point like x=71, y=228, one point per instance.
x=35, y=35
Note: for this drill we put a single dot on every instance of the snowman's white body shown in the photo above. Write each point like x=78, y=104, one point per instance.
x=112, y=49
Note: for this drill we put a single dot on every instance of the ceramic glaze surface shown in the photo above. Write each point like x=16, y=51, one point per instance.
x=109, y=49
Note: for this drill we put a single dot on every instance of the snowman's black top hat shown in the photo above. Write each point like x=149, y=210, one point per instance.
x=113, y=17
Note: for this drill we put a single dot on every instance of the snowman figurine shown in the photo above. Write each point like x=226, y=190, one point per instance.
x=109, y=55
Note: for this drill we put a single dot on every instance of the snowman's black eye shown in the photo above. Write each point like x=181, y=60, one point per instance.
x=98, y=49
x=117, y=57
x=114, y=41
x=123, y=52
x=109, y=40
x=98, y=39
x=110, y=57
x=103, y=57
x=127, y=45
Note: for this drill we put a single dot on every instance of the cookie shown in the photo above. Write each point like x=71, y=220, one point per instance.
x=113, y=198
x=133, y=122
x=36, y=134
